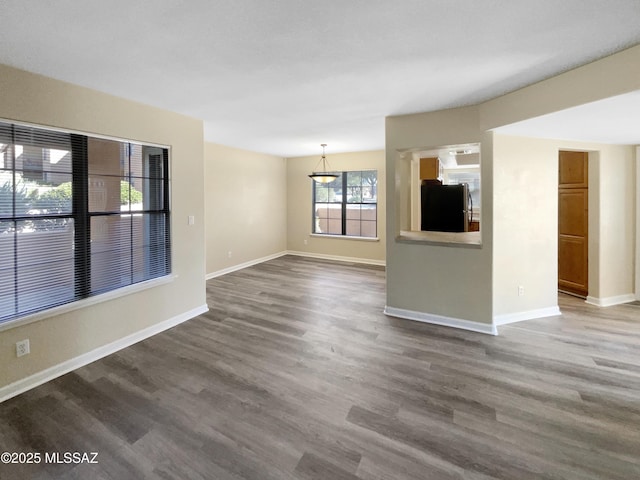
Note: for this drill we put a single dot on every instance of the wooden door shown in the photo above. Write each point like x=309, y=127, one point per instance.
x=573, y=223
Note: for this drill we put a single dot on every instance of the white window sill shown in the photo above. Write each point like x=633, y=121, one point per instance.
x=345, y=237
x=86, y=302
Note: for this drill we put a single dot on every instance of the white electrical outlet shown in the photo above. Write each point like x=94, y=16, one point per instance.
x=305, y=241
x=192, y=220
x=22, y=348
x=229, y=254
x=520, y=291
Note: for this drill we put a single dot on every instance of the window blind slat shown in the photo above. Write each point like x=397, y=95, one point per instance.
x=78, y=216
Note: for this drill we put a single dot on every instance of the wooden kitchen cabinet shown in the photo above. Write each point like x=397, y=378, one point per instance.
x=430, y=168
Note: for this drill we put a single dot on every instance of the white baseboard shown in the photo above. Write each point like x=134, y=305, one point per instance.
x=240, y=266
x=441, y=320
x=610, y=301
x=526, y=315
x=67, y=366
x=337, y=258
x=321, y=256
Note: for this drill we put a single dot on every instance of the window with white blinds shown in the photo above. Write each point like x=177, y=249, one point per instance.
x=79, y=216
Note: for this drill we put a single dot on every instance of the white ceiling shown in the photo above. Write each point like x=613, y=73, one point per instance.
x=283, y=76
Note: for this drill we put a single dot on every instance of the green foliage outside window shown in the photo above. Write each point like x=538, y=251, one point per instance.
x=55, y=200
x=125, y=190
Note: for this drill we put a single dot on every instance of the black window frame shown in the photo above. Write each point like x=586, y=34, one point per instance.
x=344, y=202
x=81, y=216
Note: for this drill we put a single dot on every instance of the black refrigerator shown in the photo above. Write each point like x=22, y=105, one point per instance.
x=445, y=208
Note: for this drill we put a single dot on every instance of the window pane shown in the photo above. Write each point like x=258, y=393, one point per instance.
x=321, y=218
x=110, y=252
x=147, y=178
x=144, y=193
x=150, y=246
x=328, y=218
x=6, y=146
x=354, y=194
x=147, y=162
x=353, y=212
x=38, y=137
x=334, y=227
x=7, y=271
x=369, y=212
x=353, y=228
x=43, y=164
x=54, y=198
x=107, y=157
x=45, y=263
x=329, y=194
x=30, y=197
x=320, y=193
x=108, y=194
x=335, y=211
x=6, y=194
x=369, y=222
x=354, y=178
x=39, y=154
x=370, y=186
x=131, y=197
x=361, y=220
x=368, y=229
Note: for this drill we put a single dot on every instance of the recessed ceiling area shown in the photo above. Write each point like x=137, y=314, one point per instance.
x=283, y=77
x=613, y=120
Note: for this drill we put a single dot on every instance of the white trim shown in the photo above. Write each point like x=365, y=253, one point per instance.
x=337, y=258
x=321, y=256
x=610, y=301
x=32, y=381
x=240, y=266
x=87, y=302
x=345, y=237
x=441, y=320
x=507, y=318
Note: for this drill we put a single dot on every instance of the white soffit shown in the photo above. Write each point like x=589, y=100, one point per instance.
x=615, y=120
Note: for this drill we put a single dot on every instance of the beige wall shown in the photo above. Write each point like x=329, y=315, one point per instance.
x=525, y=224
x=526, y=221
x=246, y=206
x=615, y=227
x=452, y=281
x=35, y=99
x=299, y=210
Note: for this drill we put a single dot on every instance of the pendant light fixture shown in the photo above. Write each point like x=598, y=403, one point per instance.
x=324, y=176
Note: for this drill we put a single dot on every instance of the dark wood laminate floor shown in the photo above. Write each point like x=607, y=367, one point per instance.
x=295, y=373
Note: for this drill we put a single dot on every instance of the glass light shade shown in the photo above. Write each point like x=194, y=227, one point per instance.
x=323, y=177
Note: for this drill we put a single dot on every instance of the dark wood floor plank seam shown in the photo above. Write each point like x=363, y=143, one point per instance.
x=296, y=373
